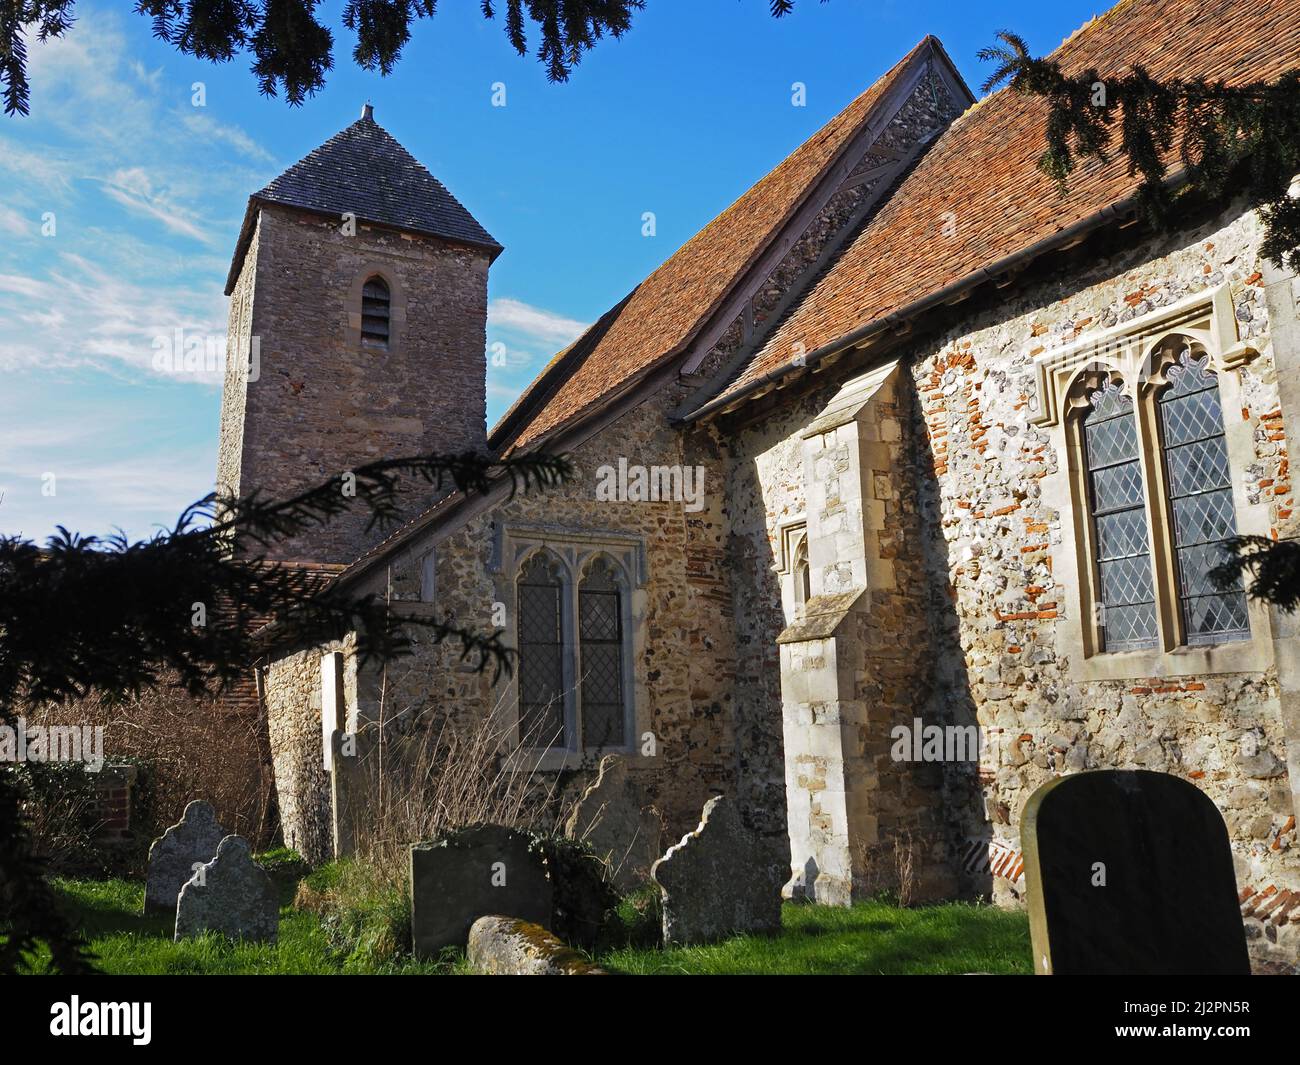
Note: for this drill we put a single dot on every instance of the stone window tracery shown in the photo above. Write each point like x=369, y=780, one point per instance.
x=575, y=640
x=1155, y=486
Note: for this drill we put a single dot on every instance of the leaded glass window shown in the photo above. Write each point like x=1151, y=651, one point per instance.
x=600, y=634
x=541, y=653
x=1117, y=507
x=1200, y=500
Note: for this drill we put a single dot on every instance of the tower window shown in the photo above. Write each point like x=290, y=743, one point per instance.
x=375, y=303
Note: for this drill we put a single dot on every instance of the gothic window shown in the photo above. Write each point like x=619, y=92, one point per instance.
x=802, y=573
x=1157, y=484
x=1117, y=507
x=541, y=652
x=1200, y=500
x=574, y=653
x=600, y=636
x=375, y=318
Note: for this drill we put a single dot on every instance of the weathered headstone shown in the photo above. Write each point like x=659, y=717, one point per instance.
x=612, y=819
x=473, y=873
x=232, y=895
x=718, y=881
x=1130, y=872
x=174, y=854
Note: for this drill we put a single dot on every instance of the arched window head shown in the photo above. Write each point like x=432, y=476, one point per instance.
x=600, y=634
x=376, y=304
x=1201, y=512
x=541, y=652
x=1125, y=589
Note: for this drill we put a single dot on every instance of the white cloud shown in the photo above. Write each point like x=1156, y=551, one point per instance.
x=543, y=325
x=13, y=223
x=206, y=126
x=177, y=219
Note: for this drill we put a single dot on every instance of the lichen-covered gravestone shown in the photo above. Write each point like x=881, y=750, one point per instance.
x=473, y=873
x=174, y=854
x=1130, y=872
x=718, y=881
x=612, y=819
x=232, y=895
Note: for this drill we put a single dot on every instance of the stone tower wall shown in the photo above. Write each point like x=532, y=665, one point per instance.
x=322, y=403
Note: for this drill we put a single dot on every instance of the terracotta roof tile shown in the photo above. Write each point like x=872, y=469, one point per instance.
x=984, y=168
x=663, y=312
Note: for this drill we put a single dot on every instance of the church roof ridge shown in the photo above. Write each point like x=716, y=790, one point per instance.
x=663, y=313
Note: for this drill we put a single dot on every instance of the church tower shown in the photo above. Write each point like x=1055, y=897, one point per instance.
x=358, y=293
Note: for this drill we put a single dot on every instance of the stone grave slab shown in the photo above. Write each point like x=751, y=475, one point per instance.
x=477, y=872
x=232, y=895
x=613, y=820
x=1130, y=872
x=719, y=880
x=174, y=854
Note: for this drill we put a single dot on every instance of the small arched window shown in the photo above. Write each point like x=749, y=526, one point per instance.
x=541, y=652
x=375, y=317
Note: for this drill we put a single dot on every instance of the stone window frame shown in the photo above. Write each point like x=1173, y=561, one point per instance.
x=1208, y=320
x=396, y=309
x=792, y=536
x=576, y=550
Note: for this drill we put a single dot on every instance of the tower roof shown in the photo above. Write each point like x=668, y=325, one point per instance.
x=365, y=171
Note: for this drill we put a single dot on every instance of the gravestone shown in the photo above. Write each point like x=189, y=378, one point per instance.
x=476, y=872
x=612, y=820
x=718, y=881
x=174, y=854
x=1130, y=872
x=232, y=895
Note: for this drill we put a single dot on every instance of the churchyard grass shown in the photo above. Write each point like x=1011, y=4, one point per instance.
x=871, y=937
x=868, y=938
x=126, y=941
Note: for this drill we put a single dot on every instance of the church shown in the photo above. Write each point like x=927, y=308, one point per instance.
x=904, y=440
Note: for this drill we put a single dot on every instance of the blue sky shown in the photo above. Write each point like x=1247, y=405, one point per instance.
x=145, y=193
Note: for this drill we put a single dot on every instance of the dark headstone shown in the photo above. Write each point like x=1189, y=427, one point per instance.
x=473, y=873
x=718, y=880
x=1130, y=872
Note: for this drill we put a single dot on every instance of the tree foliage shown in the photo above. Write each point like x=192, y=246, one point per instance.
x=1227, y=137
x=293, y=51
x=85, y=615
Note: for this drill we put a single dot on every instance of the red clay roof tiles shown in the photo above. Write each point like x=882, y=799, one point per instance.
x=984, y=168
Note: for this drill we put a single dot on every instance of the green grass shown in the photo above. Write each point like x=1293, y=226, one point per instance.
x=869, y=938
x=127, y=942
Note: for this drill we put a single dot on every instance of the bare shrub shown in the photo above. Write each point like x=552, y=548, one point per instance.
x=890, y=867
x=431, y=772
x=189, y=748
